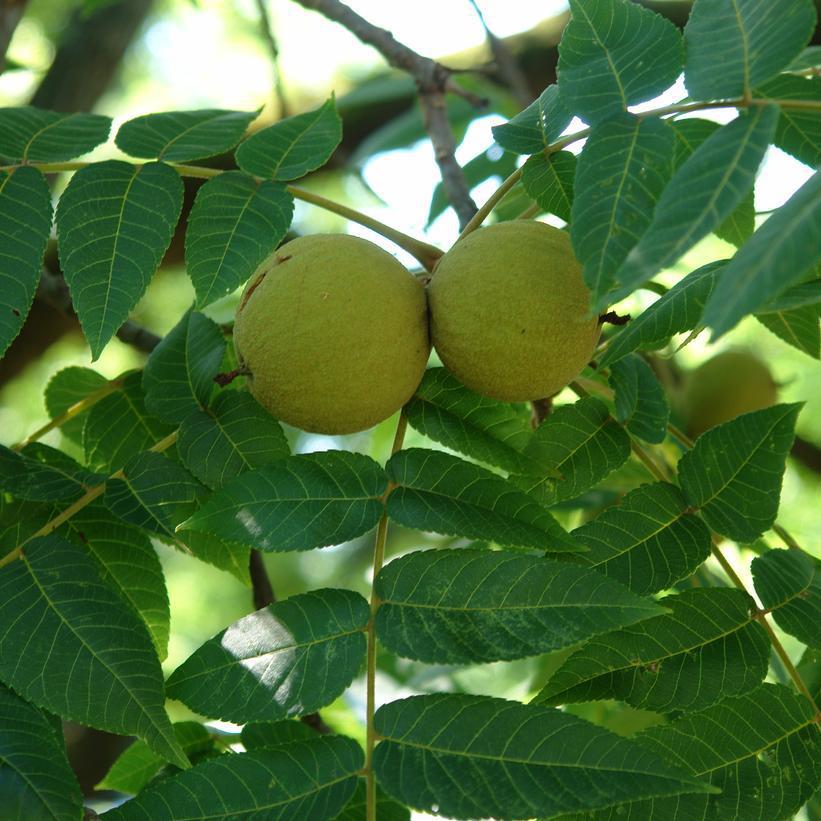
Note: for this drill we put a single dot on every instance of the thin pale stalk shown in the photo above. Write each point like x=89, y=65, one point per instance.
x=74, y=410
x=86, y=499
x=378, y=560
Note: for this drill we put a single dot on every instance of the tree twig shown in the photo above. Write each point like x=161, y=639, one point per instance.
x=509, y=70
x=433, y=80
x=267, y=32
x=53, y=290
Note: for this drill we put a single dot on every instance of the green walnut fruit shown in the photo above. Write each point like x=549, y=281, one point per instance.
x=510, y=311
x=729, y=384
x=333, y=333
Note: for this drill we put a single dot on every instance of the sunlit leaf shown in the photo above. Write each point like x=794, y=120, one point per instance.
x=114, y=223
x=465, y=606
x=297, y=503
x=648, y=541
x=779, y=254
x=442, y=493
x=549, y=181
x=36, y=780
x=703, y=192
x=538, y=125
x=679, y=310
x=182, y=136
x=93, y=644
x=473, y=756
x=733, y=474
x=709, y=647
x=731, y=47
x=622, y=171
x=288, y=659
x=613, y=54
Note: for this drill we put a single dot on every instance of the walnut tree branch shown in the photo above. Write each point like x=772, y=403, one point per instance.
x=433, y=81
x=508, y=68
x=52, y=290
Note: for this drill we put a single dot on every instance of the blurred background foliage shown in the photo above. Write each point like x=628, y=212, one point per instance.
x=139, y=56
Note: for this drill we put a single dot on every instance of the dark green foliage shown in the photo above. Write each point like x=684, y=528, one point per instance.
x=575, y=546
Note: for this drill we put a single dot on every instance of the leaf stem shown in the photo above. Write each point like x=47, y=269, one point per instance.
x=678, y=108
x=74, y=410
x=370, y=709
x=426, y=254
x=86, y=499
x=761, y=618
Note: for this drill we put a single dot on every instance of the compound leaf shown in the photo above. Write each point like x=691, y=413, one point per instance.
x=647, y=542
x=641, y=404
x=465, y=606
x=535, y=127
x=235, y=224
x=297, y=503
x=760, y=750
x=549, y=181
x=37, y=781
x=622, y=171
x=286, y=660
x=789, y=584
x=308, y=779
x=25, y=223
x=32, y=134
x=179, y=375
x=234, y=434
x=119, y=426
x=703, y=192
x=114, y=223
x=94, y=644
x=442, y=493
x=449, y=413
x=182, y=136
x=779, y=254
x=733, y=474
x=707, y=648
x=613, y=54
x=574, y=448
x=679, y=310
x=731, y=47
x=473, y=756
x=294, y=146
x=69, y=386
